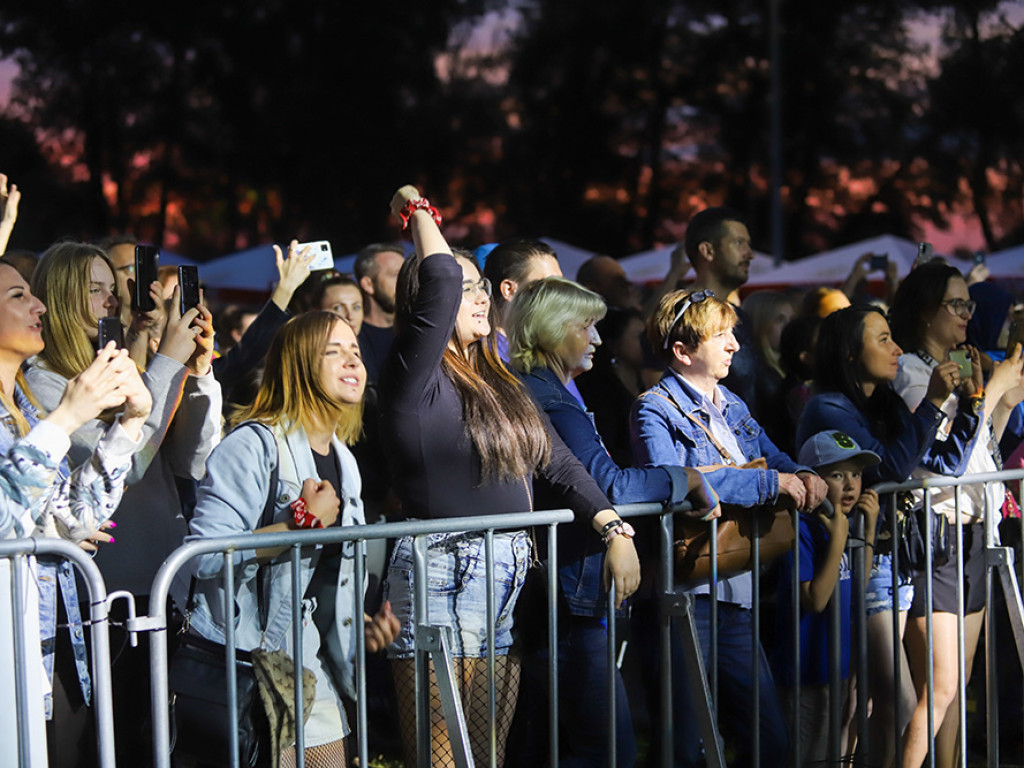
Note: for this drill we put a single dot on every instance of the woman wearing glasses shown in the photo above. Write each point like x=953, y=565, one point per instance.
x=465, y=439
x=689, y=419
x=929, y=320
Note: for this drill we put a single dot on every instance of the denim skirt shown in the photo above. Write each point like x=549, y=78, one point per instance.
x=457, y=590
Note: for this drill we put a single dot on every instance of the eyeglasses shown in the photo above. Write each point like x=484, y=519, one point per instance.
x=960, y=307
x=689, y=301
x=483, y=285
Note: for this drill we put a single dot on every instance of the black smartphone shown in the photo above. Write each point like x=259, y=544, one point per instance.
x=110, y=329
x=147, y=261
x=979, y=257
x=188, y=287
x=879, y=262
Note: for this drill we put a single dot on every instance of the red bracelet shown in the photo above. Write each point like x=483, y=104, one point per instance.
x=303, y=517
x=420, y=204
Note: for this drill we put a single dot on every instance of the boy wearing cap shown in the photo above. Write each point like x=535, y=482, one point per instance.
x=838, y=459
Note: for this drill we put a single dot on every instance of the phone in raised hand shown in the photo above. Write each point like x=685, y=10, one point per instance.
x=324, y=258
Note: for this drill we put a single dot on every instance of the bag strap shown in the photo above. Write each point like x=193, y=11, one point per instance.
x=669, y=397
x=262, y=574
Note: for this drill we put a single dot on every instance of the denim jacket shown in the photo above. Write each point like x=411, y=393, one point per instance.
x=230, y=502
x=580, y=551
x=41, y=497
x=913, y=444
x=661, y=434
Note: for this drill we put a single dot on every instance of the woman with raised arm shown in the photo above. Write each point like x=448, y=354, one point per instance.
x=465, y=439
x=308, y=407
x=929, y=317
x=41, y=496
x=856, y=362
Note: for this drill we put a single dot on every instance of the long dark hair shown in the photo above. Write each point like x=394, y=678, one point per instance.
x=838, y=369
x=917, y=300
x=501, y=419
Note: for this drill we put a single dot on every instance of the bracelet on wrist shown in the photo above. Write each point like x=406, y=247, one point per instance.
x=302, y=516
x=609, y=525
x=621, y=529
x=420, y=204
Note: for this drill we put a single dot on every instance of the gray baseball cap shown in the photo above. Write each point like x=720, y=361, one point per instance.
x=831, y=447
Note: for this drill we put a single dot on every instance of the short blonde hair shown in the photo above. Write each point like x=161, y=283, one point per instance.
x=541, y=314
x=61, y=282
x=292, y=390
x=701, y=320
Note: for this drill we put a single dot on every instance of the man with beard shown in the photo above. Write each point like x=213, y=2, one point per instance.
x=376, y=270
x=717, y=244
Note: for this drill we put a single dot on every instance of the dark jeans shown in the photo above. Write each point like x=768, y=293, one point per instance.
x=582, y=701
x=735, y=690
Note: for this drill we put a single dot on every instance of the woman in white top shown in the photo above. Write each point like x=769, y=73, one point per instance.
x=929, y=320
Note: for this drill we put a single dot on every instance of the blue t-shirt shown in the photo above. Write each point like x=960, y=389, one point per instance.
x=814, y=627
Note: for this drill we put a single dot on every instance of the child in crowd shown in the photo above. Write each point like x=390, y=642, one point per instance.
x=824, y=561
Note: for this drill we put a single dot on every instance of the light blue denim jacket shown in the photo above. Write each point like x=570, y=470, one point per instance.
x=661, y=434
x=230, y=502
x=41, y=497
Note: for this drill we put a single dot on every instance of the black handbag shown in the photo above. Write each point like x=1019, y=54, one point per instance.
x=197, y=682
x=912, y=553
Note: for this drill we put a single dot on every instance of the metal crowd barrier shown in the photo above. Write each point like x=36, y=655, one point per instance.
x=676, y=626
x=17, y=551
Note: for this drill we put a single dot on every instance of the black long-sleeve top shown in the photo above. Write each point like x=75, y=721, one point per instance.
x=434, y=464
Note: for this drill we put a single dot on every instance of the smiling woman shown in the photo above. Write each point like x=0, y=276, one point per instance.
x=308, y=407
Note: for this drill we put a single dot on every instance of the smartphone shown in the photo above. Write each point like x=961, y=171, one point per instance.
x=879, y=262
x=188, y=287
x=924, y=254
x=147, y=260
x=110, y=329
x=979, y=257
x=962, y=358
x=324, y=256
x=1016, y=335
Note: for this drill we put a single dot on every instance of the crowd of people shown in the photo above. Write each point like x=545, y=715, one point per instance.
x=457, y=383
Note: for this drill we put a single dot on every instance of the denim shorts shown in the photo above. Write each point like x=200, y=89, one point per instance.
x=878, y=593
x=457, y=589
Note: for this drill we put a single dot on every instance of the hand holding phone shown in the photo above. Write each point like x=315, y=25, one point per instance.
x=962, y=358
x=924, y=254
x=323, y=257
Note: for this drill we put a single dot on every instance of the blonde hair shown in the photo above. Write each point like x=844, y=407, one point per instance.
x=541, y=315
x=701, y=320
x=292, y=390
x=61, y=282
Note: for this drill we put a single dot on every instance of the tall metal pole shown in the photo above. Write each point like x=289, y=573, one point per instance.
x=776, y=132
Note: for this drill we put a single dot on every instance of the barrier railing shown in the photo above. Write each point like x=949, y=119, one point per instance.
x=676, y=629
x=18, y=552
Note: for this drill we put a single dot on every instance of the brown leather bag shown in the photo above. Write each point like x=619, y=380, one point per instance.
x=738, y=527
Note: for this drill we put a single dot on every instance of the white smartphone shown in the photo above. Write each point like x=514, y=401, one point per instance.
x=324, y=256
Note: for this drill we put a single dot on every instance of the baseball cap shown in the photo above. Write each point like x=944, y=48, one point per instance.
x=831, y=447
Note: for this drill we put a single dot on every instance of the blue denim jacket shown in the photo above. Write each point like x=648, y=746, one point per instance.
x=913, y=443
x=55, y=501
x=230, y=502
x=661, y=434
x=580, y=551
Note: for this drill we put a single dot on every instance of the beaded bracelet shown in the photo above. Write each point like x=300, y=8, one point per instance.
x=420, y=204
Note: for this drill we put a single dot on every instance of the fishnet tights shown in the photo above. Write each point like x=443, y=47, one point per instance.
x=471, y=679
x=330, y=755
